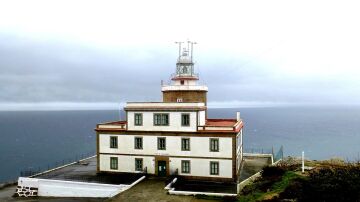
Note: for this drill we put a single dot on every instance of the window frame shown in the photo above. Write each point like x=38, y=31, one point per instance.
x=218, y=168
x=158, y=143
x=112, y=146
x=142, y=164
x=183, y=170
x=160, y=121
x=218, y=145
x=182, y=119
x=113, y=165
x=141, y=119
x=135, y=142
x=182, y=144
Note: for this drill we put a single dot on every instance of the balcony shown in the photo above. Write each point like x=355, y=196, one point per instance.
x=221, y=125
x=116, y=125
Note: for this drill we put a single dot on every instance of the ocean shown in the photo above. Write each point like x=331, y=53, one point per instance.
x=33, y=140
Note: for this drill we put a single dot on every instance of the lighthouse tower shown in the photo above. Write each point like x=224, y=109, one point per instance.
x=184, y=83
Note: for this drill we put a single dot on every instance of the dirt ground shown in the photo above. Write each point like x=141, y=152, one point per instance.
x=152, y=190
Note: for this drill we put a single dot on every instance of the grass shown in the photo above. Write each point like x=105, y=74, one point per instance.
x=329, y=180
x=257, y=192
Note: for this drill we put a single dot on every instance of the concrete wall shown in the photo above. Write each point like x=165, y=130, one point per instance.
x=59, y=188
x=199, y=146
x=172, y=93
x=202, y=118
x=174, y=122
x=198, y=167
x=199, y=154
x=201, y=167
x=127, y=163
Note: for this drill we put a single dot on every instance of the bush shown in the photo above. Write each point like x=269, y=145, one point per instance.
x=333, y=184
x=294, y=189
x=272, y=172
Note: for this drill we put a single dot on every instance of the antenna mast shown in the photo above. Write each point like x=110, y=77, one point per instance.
x=179, y=42
x=192, y=48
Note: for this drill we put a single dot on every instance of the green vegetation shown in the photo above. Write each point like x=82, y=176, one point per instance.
x=273, y=181
x=327, y=181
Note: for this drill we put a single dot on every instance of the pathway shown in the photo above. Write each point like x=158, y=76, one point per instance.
x=152, y=190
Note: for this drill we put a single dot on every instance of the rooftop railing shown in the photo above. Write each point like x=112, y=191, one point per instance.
x=112, y=125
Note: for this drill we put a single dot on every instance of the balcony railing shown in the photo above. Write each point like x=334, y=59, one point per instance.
x=120, y=125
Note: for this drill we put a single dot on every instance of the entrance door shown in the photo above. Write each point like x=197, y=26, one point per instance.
x=161, y=168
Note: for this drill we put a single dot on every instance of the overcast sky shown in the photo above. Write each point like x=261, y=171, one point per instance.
x=253, y=52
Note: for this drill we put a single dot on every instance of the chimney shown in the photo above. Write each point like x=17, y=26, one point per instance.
x=238, y=116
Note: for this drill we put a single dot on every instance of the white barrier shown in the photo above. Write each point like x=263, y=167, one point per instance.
x=189, y=193
x=60, y=188
x=168, y=187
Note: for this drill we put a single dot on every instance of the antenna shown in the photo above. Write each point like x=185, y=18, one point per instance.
x=192, y=48
x=179, y=42
x=188, y=43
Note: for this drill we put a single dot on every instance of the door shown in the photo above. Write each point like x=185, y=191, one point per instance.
x=161, y=168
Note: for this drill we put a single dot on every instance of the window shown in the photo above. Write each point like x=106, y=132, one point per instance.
x=138, y=119
x=214, y=144
x=182, y=82
x=214, y=168
x=179, y=100
x=161, y=119
x=138, y=164
x=185, y=144
x=161, y=143
x=113, y=142
x=113, y=163
x=138, y=143
x=185, y=166
x=185, y=119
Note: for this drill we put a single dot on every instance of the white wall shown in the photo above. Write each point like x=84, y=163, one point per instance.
x=186, y=82
x=202, y=118
x=174, y=122
x=59, y=188
x=201, y=167
x=126, y=163
x=199, y=146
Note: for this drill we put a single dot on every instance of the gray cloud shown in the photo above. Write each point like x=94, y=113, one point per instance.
x=52, y=71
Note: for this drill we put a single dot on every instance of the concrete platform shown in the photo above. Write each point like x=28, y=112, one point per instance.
x=200, y=186
x=252, y=165
x=85, y=171
x=152, y=190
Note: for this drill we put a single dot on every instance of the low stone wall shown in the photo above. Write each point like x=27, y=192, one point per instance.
x=193, y=193
x=242, y=184
x=58, y=188
x=252, y=178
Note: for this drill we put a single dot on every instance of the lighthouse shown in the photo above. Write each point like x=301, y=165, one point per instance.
x=184, y=85
x=175, y=136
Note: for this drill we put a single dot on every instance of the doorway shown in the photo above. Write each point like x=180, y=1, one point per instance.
x=161, y=168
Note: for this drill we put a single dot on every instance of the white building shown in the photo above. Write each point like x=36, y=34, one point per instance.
x=173, y=137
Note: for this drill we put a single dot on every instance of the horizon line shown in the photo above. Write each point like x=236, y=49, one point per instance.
x=68, y=106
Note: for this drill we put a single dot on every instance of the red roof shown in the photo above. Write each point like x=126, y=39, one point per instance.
x=220, y=122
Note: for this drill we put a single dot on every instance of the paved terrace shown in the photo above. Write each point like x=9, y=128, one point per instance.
x=148, y=190
x=85, y=171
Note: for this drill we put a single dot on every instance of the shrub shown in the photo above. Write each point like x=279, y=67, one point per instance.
x=272, y=172
x=294, y=189
x=333, y=184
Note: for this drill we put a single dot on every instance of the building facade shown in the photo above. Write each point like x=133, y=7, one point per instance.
x=173, y=137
